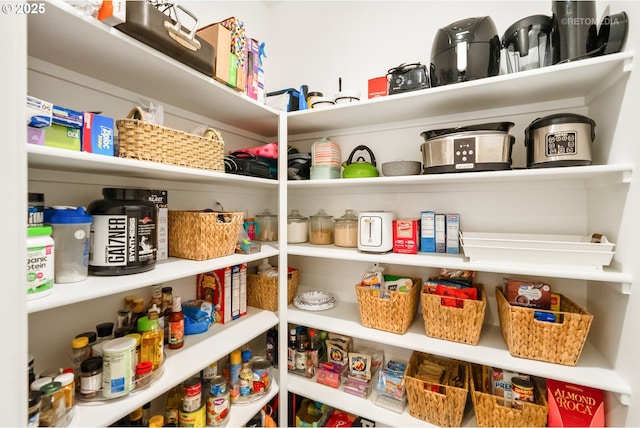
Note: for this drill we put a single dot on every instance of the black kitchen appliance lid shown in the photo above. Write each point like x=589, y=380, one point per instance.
x=493, y=126
x=560, y=118
x=479, y=29
x=518, y=33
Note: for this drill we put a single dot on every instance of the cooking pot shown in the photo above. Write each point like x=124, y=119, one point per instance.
x=480, y=147
x=562, y=139
x=360, y=168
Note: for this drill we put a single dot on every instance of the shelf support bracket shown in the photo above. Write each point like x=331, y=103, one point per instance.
x=625, y=399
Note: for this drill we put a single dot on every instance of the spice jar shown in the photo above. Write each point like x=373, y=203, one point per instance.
x=321, y=228
x=297, y=228
x=52, y=404
x=34, y=409
x=345, y=233
x=143, y=373
x=267, y=226
x=90, y=377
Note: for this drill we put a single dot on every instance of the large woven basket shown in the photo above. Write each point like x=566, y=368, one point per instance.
x=198, y=235
x=146, y=141
x=527, y=337
x=262, y=291
x=394, y=314
x=457, y=324
x=437, y=404
x=493, y=411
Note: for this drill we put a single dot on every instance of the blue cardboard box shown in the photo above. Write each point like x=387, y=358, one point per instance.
x=97, y=134
x=66, y=117
x=428, y=232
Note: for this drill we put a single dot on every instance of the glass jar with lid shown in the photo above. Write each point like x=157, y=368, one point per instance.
x=345, y=232
x=52, y=405
x=297, y=228
x=267, y=226
x=321, y=228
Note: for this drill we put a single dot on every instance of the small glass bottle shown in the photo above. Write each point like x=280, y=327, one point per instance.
x=34, y=409
x=157, y=421
x=176, y=325
x=172, y=407
x=80, y=351
x=68, y=384
x=165, y=308
x=146, y=414
x=90, y=377
x=123, y=318
x=291, y=350
x=135, y=418
x=52, y=404
x=246, y=374
x=105, y=333
x=137, y=312
x=138, y=338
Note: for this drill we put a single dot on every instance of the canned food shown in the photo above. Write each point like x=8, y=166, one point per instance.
x=192, y=395
x=218, y=402
x=218, y=385
x=522, y=389
x=261, y=374
x=195, y=418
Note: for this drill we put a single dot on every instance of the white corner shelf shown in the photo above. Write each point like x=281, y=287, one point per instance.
x=196, y=354
x=592, y=369
x=60, y=36
x=455, y=261
x=173, y=268
x=55, y=159
x=507, y=90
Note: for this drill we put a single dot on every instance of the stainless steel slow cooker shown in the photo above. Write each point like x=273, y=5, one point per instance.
x=562, y=139
x=482, y=147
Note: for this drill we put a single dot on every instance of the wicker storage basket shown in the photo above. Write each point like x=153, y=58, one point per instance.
x=437, y=404
x=527, y=337
x=146, y=141
x=394, y=314
x=493, y=411
x=197, y=235
x=262, y=291
x=457, y=324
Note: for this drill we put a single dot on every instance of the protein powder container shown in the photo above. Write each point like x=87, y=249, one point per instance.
x=123, y=232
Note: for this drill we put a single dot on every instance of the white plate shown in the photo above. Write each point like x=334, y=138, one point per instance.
x=316, y=300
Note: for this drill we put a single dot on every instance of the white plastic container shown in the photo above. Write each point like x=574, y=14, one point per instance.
x=118, y=367
x=40, y=262
x=71, y=227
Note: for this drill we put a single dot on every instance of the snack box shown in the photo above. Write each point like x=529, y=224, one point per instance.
x=428, y=232
x=377, y=87
x=330, y=374
x=62, y=137
x=66, y=117
x=528, y=293
x=441, y=233
x=573, y=405
x=38, y=112
x=97, y=134
x=405, y=236
x=215, y=288
x=453, y=232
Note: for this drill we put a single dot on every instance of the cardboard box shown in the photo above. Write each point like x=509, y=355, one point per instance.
x=428, y=231
x=528, y=294
x=243, y=289
x=453, y=232
x=38, y=112
x=235, y=292
x=113, y=12
x=573, y=405
x=66, y=117
x=35, y=136
x=161, y=199
x=378, y=87
x=441, y=233
x=97, y=134
x=62, y=137
x=220, y=38
x=253, y=69
x=215, y=288
x=239, y=49
x=405, y=236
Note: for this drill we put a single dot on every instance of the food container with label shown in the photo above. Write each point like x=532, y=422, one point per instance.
x=321, y=228
x=267, y=226
x=345, y=232
x=297, y=228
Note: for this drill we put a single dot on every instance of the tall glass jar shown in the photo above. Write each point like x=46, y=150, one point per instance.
x=321, y=228
x=346, y=230
x=53, y=405
x=267, y=226
x=297, y=228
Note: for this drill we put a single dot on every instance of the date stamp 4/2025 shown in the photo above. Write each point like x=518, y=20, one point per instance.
x=22, y=8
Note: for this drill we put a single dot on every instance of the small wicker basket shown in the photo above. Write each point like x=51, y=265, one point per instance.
x=394, y=314
x=197, y=235
x=527, y=337
x=262, y=291
x=438, y=404
x=494, y=411
x=149, y=142
x=457, y=324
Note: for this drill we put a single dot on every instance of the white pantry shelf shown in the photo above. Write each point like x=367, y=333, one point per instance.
x=173, y=268
x=196, y=354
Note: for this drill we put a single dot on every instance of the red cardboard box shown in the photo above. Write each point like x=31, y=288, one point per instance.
x=215, y=288
x=378, y=87
x=405, y=236
x=573, y=405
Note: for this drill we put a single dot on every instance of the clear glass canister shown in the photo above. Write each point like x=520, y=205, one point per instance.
x=297, y=228
x=345, y=233
x=267, y=226
x=321, y=228
x=53, y=405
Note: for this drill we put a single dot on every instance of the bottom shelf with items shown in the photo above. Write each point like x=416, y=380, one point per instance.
x=199, y=351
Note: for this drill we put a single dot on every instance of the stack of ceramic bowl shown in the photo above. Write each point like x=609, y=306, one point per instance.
x=325, y=160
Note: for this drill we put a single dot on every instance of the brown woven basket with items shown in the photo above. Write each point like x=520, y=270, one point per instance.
x=262, y=291
x=554, y=342
x=495, y=411
x=149, y=142
x=394, y=314
x=203, y=235
x=437, y=389
x=454, y=319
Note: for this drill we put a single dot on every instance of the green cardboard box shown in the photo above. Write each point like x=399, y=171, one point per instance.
x=62, y=137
